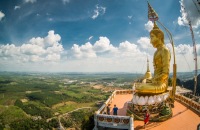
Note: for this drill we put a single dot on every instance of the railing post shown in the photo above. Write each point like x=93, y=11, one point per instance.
x=95, y=121
x=131, y=122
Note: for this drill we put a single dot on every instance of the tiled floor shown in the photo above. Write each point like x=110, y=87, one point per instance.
x=183, y=118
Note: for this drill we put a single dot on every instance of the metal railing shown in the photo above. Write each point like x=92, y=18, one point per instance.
x=188, y=102
x=110, y=121
x=113, y=121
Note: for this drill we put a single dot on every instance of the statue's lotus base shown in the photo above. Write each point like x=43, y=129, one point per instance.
x=157, y=105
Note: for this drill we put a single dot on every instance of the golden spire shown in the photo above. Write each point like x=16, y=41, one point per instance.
x=148, y=70
x=152, y=15
x=148, y=73
x=155, y=26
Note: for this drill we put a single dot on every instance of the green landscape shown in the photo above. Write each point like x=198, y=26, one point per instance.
x=40, y=100
x=44, y=100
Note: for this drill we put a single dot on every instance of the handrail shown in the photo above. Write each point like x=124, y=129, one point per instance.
x=188, y=102
x=113, y=121
x=110, y=99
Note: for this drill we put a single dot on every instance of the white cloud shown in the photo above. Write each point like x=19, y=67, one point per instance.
x=65, y=1
x=51, y=39
x=127, y=46
x=56, y=48
x=103, y=45
x=198, y=50
x=35, y=58
x=17, y=7
x=184, y=57
x=130, y=17
x=37, y=41
x=188, y=9
x=103, y=48
x=53, y=57
x=128, y=50
x=144, y=42
x=48, y=14
x=76, y=51
x=31, y=49
x=9, y=50
x=50, y=19
x=100, y=56
x=1, y=15
x=83, y=51
x=98, y=11
x=183, y=19
x=30, y=1
x=36, y=50
x=90, y=37
x=129, y=57
x=183, y=49
x=149, y=26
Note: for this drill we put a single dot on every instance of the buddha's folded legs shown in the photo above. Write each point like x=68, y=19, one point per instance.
x=150, y=88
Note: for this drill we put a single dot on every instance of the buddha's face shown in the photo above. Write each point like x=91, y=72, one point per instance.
x=154, y=40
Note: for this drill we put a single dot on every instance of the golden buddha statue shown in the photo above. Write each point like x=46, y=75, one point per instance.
x=161, y=61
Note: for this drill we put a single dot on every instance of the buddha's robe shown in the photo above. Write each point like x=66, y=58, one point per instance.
x=159, y=82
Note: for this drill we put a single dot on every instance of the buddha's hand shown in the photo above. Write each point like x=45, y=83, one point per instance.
x=149, y=80
x=146, y=81
x=139, y=88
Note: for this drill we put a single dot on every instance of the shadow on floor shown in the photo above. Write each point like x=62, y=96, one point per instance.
x=149, y=126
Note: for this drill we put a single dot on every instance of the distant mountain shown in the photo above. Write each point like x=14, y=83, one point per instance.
x=189, y=84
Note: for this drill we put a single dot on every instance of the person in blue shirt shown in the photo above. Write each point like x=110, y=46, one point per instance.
x=115, y=109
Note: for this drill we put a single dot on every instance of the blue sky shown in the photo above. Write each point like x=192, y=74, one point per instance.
x=91, y=35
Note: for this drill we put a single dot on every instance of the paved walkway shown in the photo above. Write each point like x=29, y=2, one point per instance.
x=121, y=102
x=183, y=118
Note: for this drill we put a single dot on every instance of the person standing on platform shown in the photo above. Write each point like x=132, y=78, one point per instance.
x=115, y=109
x=146, y=117
x=108, y=109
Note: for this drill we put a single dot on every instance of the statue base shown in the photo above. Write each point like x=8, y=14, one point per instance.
x=158, y=106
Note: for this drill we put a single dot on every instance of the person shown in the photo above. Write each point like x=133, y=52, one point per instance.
x=146, y=117
x=108, y=109
x=161, y=61
x=115, y=109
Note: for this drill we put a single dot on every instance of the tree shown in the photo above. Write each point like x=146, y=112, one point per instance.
x=88, y=123
x=18, y=103
x=170, y=81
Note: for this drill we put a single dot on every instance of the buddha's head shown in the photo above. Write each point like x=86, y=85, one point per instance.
x=156, y=36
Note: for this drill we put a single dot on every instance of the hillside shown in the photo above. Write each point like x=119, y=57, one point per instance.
x=189, y=84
